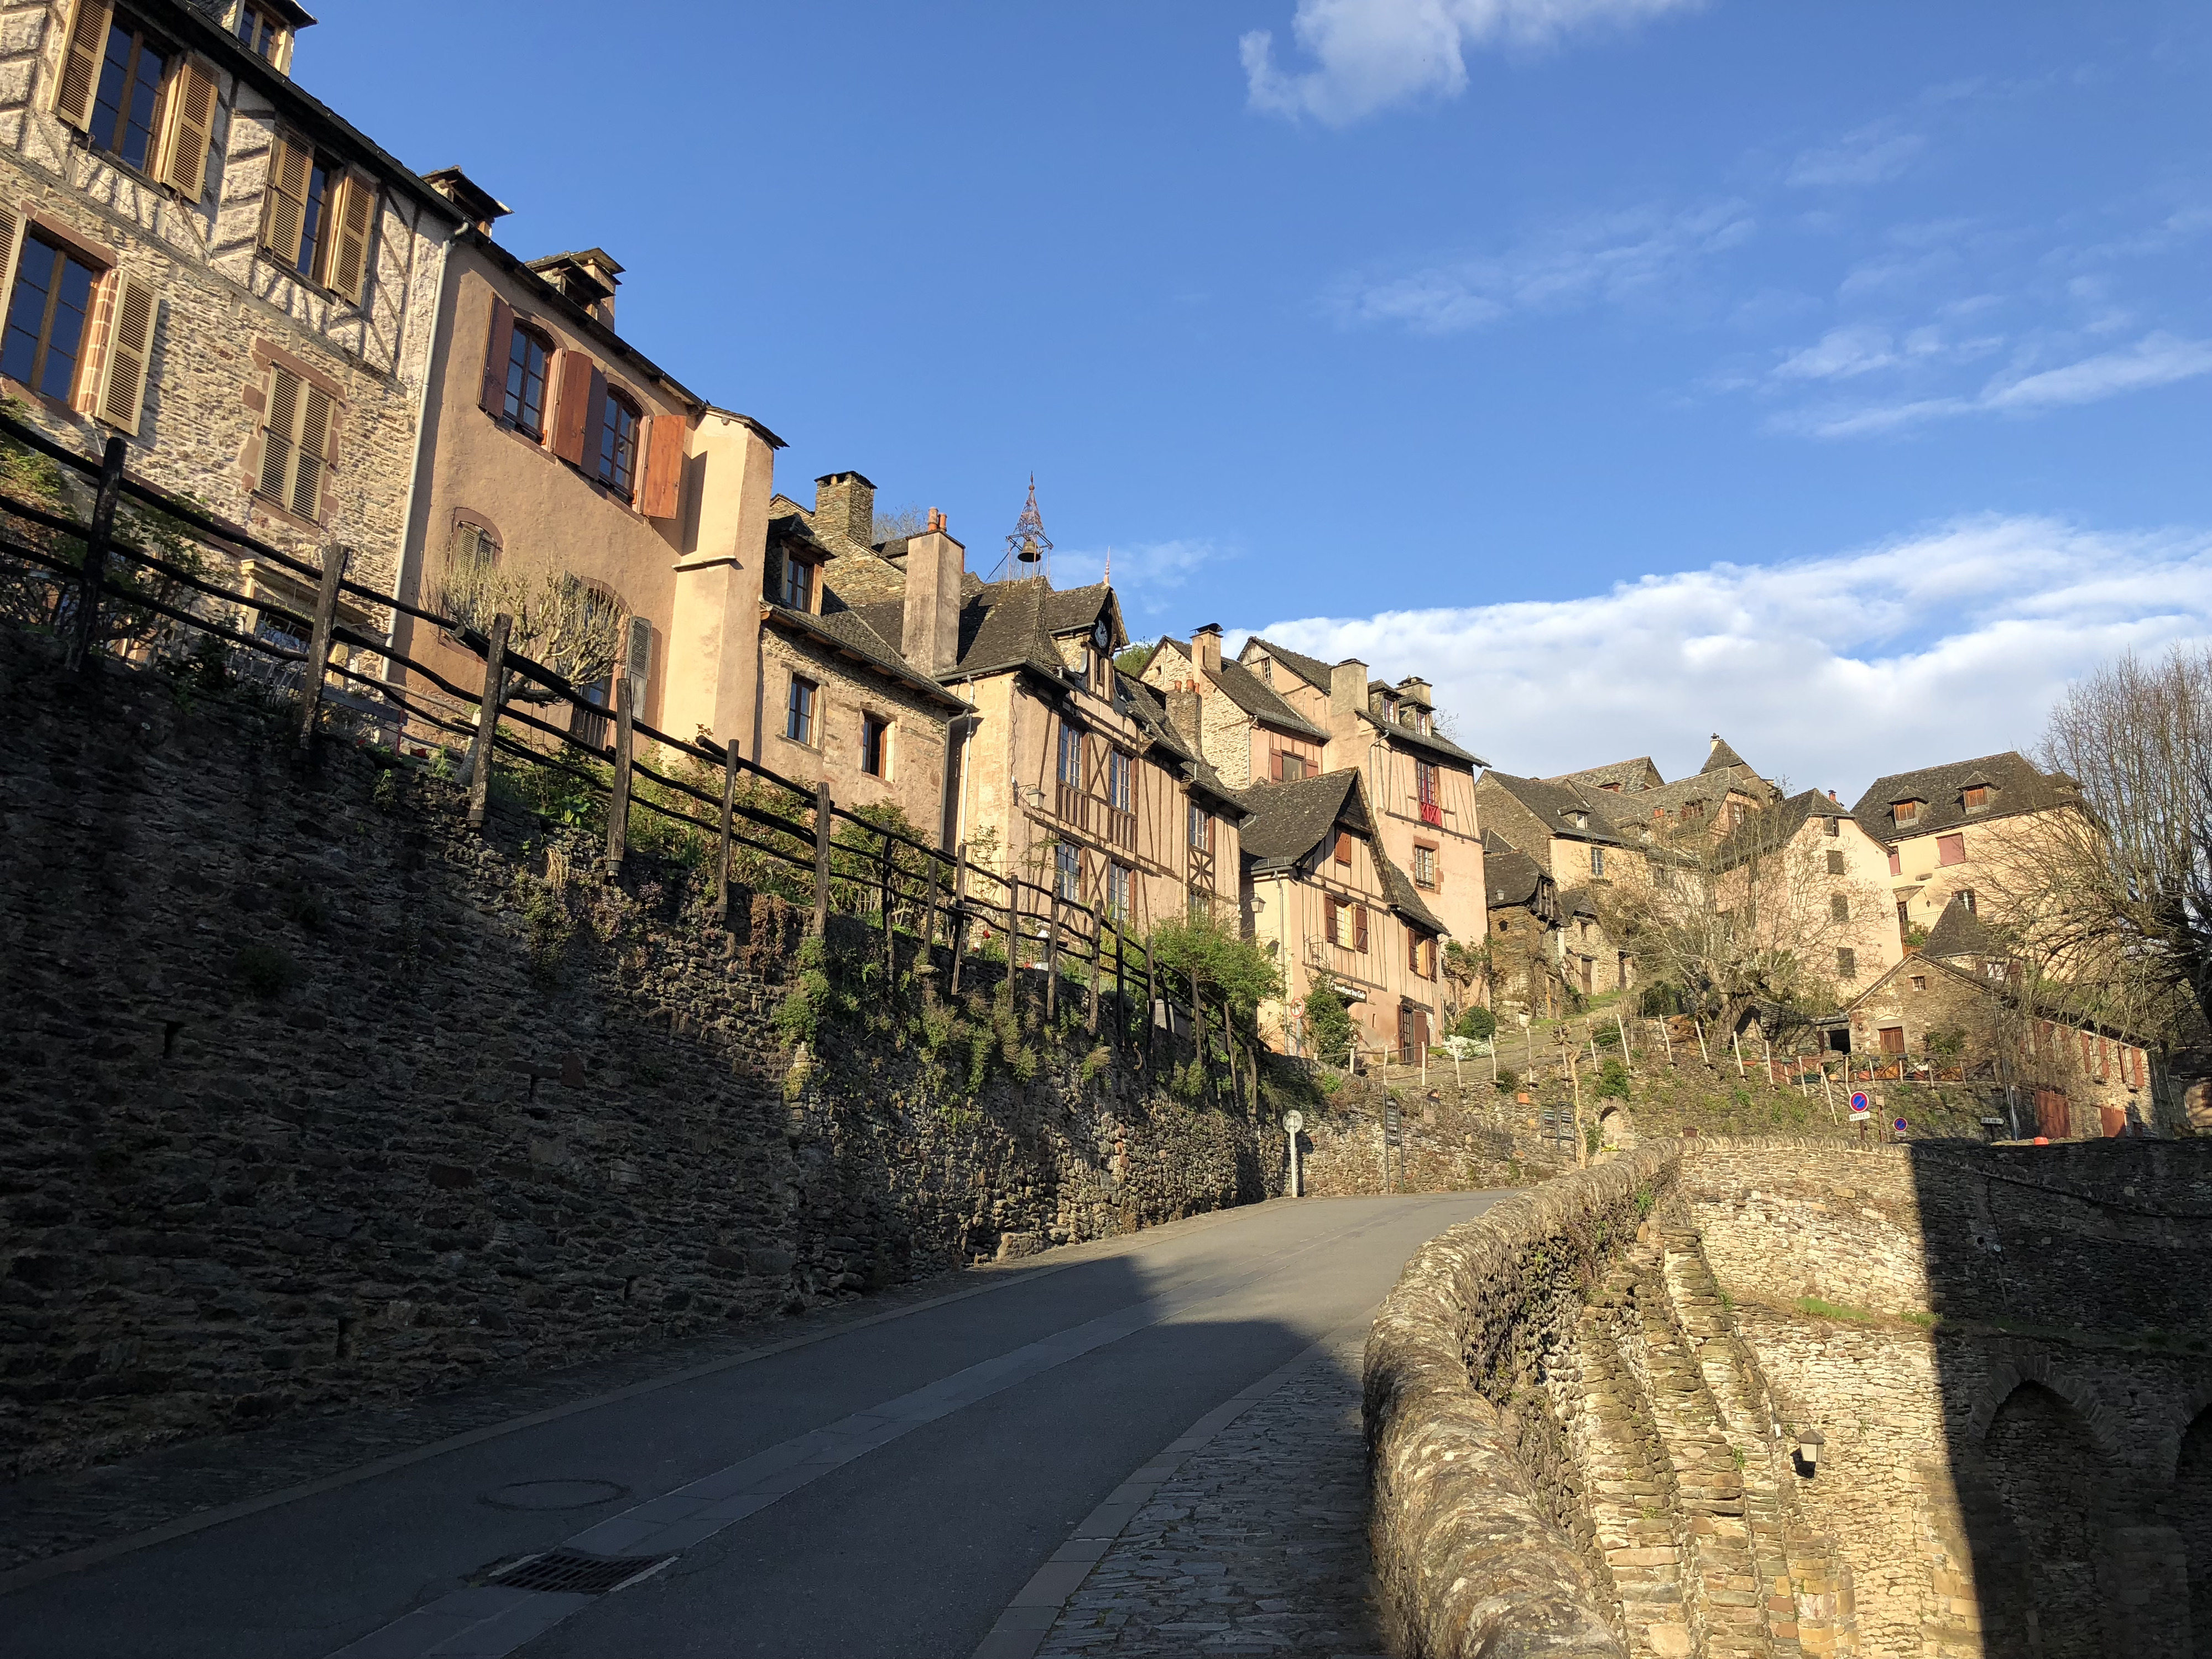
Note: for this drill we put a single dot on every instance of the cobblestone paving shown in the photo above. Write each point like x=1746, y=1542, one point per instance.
x=1257, y=1544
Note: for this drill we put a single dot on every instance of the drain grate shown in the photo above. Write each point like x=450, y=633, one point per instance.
x=570, y=1572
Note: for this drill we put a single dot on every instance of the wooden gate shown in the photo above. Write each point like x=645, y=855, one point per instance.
x=2113, y=1120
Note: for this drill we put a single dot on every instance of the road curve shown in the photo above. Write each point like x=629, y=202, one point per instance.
x=886, y=1490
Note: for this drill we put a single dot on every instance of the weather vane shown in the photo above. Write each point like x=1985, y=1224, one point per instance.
x=1028, y=543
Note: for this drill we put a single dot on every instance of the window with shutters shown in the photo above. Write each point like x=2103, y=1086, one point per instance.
x=528, y=357
x=263, y=33
x=798, y=711
x=295, y=443
x=1847, y=964
x=1832, y=826
x=1835, y=863
x=126, y=100
x=1338, y=918
x=1420, y=954
x=317, y=219
x=44, y=337
x=1425, y=865
x=1839, y=907
x=876, y=745
x=1426, y=791
x=615, y=463
x=1289, y=768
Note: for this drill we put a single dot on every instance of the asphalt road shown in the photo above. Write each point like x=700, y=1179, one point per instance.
x=885, y=1490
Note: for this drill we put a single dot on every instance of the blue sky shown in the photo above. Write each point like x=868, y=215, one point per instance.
x=1836, y=375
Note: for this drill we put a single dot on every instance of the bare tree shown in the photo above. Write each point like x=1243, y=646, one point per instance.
x=899, y=521
x=1750, y=923
x=2112, y=899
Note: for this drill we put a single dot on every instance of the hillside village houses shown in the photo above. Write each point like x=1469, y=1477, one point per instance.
x=323, y=347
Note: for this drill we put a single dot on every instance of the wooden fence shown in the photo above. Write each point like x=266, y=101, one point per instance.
x=846, y=862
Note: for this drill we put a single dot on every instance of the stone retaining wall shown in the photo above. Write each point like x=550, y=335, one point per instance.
x=310, y=1097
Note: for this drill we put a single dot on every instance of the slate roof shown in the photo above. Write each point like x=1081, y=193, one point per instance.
x=1722, y=757
x=1289, y=820
x=1312, y=670
x=1959, y=933
x=1429, y=741
x=1631, y=776
x=1764, y=832
x=1257, y=698
x=1150, y=710
x=2017, y=785
x=1013, y=624
x=1556, y=804
x=1405, y=897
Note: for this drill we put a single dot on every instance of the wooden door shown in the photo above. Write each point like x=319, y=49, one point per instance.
x=2113, y=1120
x=2054, y=1119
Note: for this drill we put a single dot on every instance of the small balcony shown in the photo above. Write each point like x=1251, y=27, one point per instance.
x=1432, y=812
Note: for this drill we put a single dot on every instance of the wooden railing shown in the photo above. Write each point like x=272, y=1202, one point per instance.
x=791, y=836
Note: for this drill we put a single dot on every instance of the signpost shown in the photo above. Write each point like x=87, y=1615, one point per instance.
x=1292, y=1122
x=1861, y=1109
x=1390, y=1138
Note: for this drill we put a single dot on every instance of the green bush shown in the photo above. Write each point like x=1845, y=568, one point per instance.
x=1329, y=1029
x=1478, y=1024
x=1613, y=1080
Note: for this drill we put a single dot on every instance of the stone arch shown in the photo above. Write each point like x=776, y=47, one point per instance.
x=1616, y=1129
x=2045, y=1469
x=2090, y=1411
x=2189, y=1505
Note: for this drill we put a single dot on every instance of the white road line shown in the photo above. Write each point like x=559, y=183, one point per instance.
x=485, y=1622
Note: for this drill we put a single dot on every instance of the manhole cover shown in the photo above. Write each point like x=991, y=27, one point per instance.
x=554, y=1494
x=570, y=1572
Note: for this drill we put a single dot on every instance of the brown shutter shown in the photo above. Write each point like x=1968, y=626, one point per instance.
x=122, y=394
x=664, y=466
x=9, y=224
x=191, y=129
x=284, y=211
x=87, y=45
x=1343, y=846
x=1275, y=764
x=278, y=429
x=354, y=220
x=315, y=453
x=577, y=374
x=499, y=347
x=1328, y=916
x=1359, y=928
x=595, y=422
x=637, y=660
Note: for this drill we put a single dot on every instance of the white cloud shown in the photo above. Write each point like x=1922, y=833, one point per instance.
x=1866, y=156
x=2156, y=360
x=1373, y=53
x=1611, y=258
x=1145, y=572
x=1830, y=671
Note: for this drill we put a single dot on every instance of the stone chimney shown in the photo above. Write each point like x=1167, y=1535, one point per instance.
x=478, y=204
x=1205, y=653
x=844, y=512
x=589, y=277
x=930, y=634
x=1347, y=688
x=1415, y=690
x=1183, y=714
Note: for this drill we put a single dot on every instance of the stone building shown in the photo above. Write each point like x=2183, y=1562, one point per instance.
x=1954, y=830
x=1963, y=999
x=1526, y=919
x=1816, y=886
x=200, y=255
x=1714, y=798
x=1570, y=833
x=1054, y=764
x=552, y=448
x=1324, y=898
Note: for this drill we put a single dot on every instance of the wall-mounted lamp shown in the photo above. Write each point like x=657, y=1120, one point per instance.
x=1808, y=1452
x=1033, y=796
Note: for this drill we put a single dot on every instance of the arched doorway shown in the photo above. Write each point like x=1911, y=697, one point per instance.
x=2045, y=1469
x=2192, y=1509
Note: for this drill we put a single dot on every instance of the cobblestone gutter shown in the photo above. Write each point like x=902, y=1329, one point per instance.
x=1469, y=1556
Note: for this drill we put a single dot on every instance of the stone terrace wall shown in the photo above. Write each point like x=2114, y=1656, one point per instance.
x=270, y=1137
x=1452, y=1139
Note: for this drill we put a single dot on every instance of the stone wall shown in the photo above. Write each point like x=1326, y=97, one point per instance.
x=1454, y=1137
x=310, y=1097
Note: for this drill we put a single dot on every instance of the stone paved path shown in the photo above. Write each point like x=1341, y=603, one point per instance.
x=1257, y=1544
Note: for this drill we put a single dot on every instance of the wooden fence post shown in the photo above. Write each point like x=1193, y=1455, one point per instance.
x=1151, y=1001
x=1121, y=990
x=1052, y=958
x=87, y=620
x=480, y=748
x=1013, y=935
x=729, y=825
x=890, y=939
x=625, y=689
x=1097, y=949
x=319, y=641
x=959, y=930
x=821, y=925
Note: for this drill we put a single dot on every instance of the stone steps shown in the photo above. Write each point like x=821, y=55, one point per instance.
x=1630, y=1494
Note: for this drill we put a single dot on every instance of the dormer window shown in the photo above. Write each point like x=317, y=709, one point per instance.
x=1906, y=812
x=798, y=584
x=1977, y=797
x=261, y=33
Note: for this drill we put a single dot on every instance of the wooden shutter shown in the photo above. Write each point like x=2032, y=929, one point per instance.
x=663, y=444
x=1328, y=916
x=1359, y=928
x=354, y=222
x=1343, y=846
x=87, y=45
x=314, y=458
x=499, y=347
x=577, y=374
x=279, y=427
x=637, y=660
x=191, y=129
x=10, y=223
x=284, y=209
x=122, y=394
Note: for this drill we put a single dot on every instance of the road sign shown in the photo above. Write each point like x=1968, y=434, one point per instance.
x=1860, y=1105
x=1293, y=1121
x=1900, y=1125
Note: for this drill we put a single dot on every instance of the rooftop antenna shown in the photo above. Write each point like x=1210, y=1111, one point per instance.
x=1028, y=543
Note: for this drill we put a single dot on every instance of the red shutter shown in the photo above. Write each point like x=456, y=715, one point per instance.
x=577, y=376
x=498, y=347
x=664, y=466
x=1343, y=846
x=1359, y=928
x=1275, y=764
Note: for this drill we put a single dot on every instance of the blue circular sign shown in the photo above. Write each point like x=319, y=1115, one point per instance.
x=1861, y=1104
